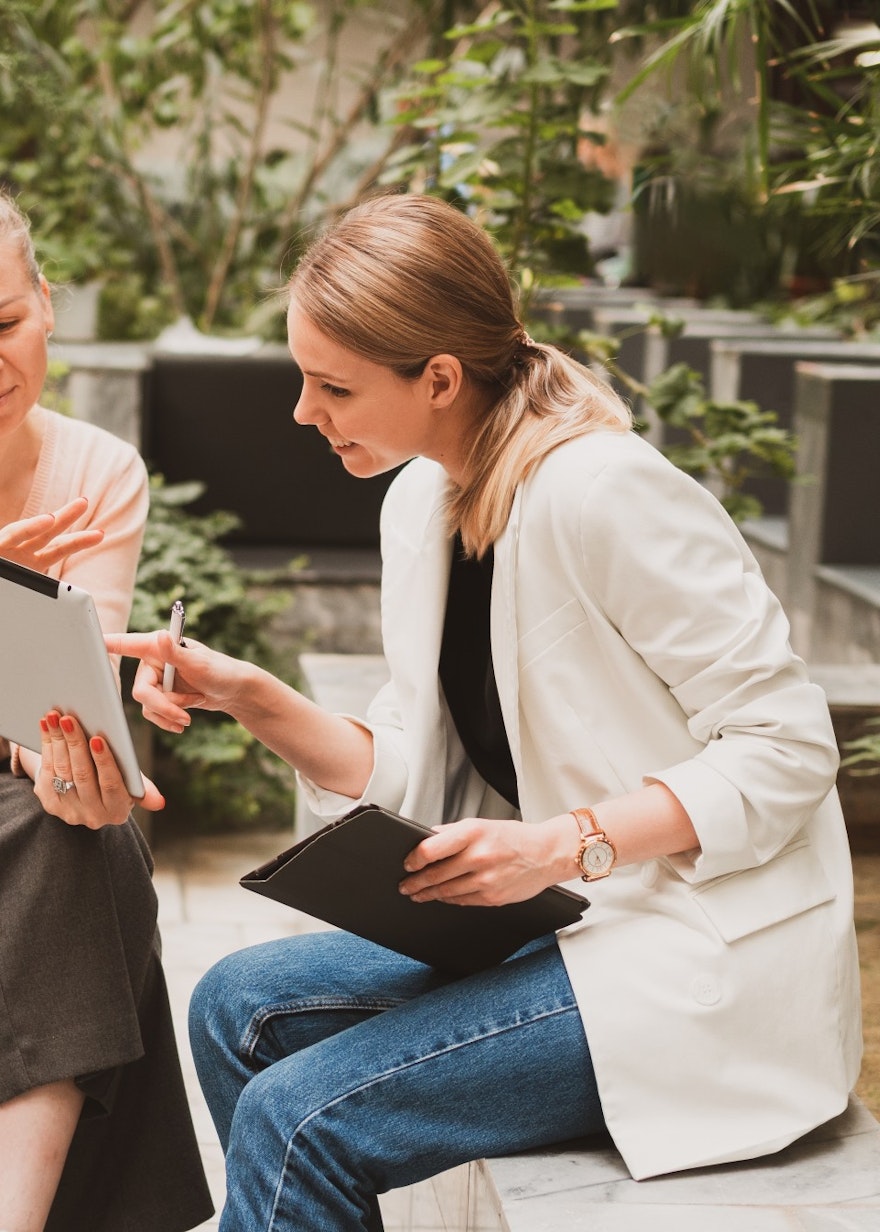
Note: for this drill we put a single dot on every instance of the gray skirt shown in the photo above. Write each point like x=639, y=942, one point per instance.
x=83, y=996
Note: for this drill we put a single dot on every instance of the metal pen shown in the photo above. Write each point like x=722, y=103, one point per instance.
x=178, y=619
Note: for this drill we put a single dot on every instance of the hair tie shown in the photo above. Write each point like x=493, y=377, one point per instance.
x=524, y=342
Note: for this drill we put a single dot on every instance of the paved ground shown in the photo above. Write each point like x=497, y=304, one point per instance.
x=204, y=914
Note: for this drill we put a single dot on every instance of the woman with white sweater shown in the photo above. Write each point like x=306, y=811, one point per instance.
x=95, y=1132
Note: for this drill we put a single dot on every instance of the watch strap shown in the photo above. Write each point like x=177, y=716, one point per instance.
x=586, y=819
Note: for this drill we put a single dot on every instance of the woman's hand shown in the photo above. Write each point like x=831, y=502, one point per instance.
x=40, y=542
x=95, y=794
x=334, y=751
x=482, y=863
x=204, y=679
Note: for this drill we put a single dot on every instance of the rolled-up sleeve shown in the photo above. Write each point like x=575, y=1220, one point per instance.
x=388, y=779
x=675, y=578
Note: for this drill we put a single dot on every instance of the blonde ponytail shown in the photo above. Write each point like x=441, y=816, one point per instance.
x=553, y=399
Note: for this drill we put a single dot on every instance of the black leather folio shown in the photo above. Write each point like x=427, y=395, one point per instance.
x=347, y=874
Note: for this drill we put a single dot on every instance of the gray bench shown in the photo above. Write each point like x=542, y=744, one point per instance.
x=575, y=307
x=763, y=371
x=645, y=352
x=835, y=509
x=829, y=1181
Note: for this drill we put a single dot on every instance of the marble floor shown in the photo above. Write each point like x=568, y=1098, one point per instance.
x=204, y=914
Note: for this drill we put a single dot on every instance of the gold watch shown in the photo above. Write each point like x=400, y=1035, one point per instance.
x=597, y=854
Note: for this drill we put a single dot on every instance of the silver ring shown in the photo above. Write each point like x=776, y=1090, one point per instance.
x=62, y=785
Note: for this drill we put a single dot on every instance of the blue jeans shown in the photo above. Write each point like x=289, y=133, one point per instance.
x=335, y=1070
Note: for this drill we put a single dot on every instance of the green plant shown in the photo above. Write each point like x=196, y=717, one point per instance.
x=93, y=82
x=145, y=147
x=495, y=124
x=726, y=443
x=802, y=152
x=835, y=164
x=863, y=757
x=215, y=772
x=851, y=305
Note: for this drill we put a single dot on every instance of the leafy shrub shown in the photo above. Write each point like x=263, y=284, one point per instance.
x=216, y=774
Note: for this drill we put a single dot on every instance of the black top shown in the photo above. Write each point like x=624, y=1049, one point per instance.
x=467, y=674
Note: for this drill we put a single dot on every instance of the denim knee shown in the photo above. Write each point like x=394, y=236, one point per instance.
x=290, y=1163
x=217, y=1014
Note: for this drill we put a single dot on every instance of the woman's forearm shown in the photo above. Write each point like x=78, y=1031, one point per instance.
x=642, y=825
x=332, y=751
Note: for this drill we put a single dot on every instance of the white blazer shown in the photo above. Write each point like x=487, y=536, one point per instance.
x=635, y=640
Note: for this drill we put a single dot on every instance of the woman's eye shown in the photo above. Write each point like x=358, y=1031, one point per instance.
x=335, y=391
x=6, y=325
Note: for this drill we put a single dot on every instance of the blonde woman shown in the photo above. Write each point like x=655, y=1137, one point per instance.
x=579, y=640
x=95, y=1132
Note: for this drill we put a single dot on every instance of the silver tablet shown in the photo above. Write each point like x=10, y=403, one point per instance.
x=53, y=657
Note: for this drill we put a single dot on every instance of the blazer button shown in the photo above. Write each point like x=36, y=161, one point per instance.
x=706, y=990
x=650, y=872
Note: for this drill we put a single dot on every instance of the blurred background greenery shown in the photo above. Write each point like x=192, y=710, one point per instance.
x=180, y=153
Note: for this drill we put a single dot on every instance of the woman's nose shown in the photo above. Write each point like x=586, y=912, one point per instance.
x=305, y=411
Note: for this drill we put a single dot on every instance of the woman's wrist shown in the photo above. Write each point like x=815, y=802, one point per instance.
x=251, y=693
x=642, y=825
x=563, y=840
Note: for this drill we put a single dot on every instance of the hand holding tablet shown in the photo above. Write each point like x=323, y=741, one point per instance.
x=79, y=780
x=53, y=659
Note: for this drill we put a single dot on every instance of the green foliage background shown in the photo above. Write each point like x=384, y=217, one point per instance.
x=215, y=774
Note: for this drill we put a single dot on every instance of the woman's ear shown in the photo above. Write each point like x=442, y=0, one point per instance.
x=444, y=378
x=48, y=310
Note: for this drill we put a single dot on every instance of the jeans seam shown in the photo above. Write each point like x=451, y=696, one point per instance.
x=309, y=1005
x=384, y=1077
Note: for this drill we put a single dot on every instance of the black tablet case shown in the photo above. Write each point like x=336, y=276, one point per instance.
x=347, y=874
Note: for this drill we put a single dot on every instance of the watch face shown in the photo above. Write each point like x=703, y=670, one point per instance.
x=597, y=858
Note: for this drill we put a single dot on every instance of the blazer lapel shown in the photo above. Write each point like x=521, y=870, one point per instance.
x=504, y=631
x=414, y=587
x=414, y=584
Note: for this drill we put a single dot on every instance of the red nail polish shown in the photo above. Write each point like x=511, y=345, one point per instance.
x=52, y=719
x=67, y=724
x=44, y=726
x=96, y=744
